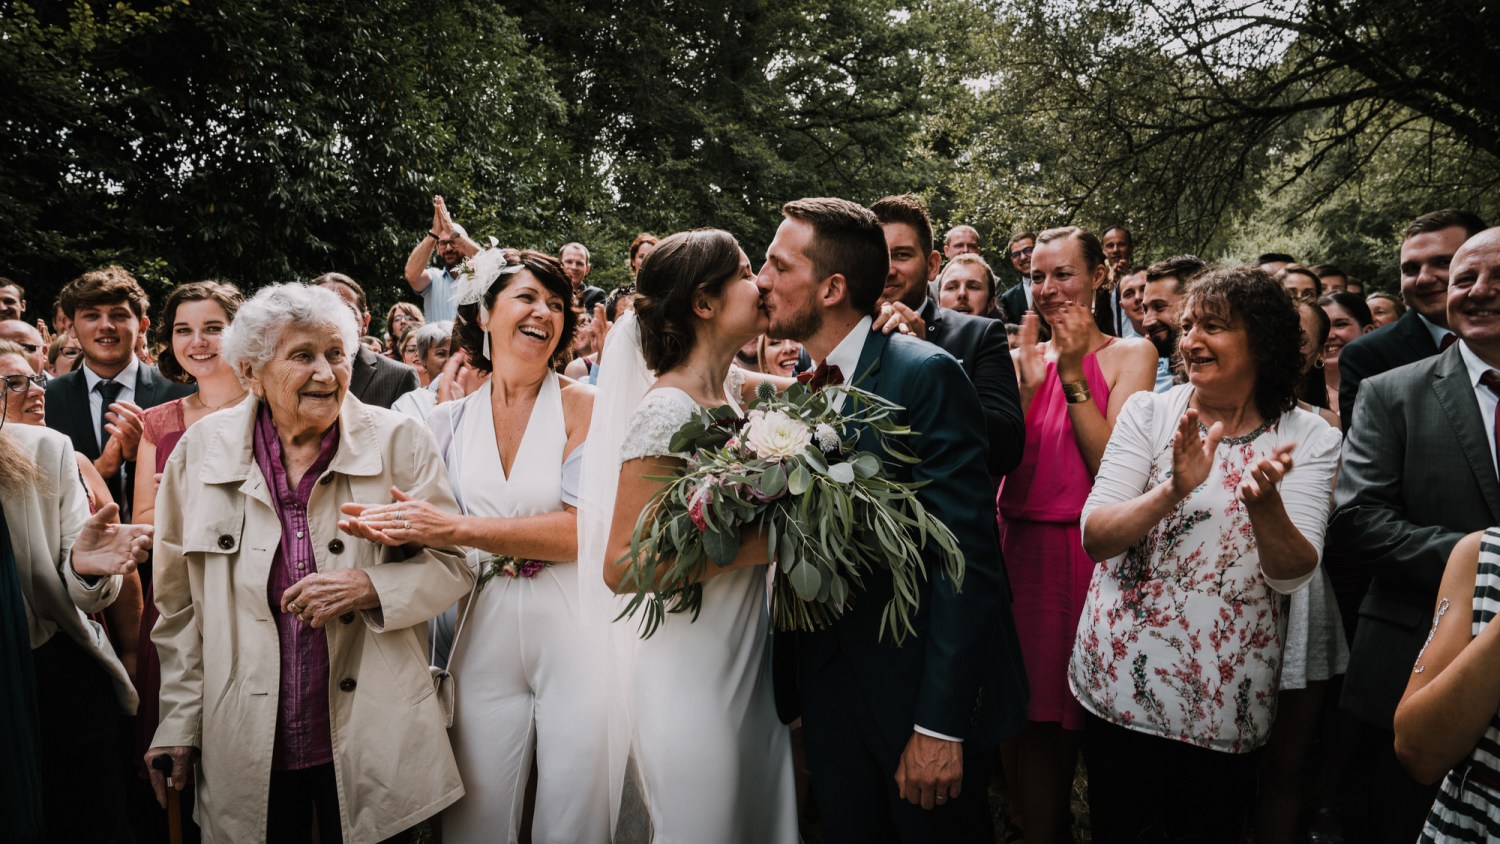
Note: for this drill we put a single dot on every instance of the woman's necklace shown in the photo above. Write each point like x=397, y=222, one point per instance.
x=211, y=409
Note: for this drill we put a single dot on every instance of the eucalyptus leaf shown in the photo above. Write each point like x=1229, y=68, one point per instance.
x=841, y=472
x=805, y=580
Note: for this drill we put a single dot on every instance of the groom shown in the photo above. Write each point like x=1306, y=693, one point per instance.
x=898, y=738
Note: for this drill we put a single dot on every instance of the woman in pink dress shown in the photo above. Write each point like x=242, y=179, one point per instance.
x=192, y=321
x=1072, y=388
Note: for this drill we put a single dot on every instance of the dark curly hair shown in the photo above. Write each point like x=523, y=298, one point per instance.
x=678, y=268
x=548, y=270
x=1248, y=296
x=226, y=295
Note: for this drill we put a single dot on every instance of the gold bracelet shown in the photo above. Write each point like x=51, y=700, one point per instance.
x=1076, y=392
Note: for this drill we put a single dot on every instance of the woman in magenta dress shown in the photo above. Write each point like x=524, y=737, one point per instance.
x=1072, y=387
x=192, y=321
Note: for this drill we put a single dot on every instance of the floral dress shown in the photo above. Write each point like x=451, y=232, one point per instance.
x=1181, y=636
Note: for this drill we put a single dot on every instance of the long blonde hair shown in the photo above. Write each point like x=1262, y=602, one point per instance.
x=18, y=469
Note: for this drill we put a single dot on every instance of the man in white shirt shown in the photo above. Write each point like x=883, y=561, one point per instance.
x=436, y=285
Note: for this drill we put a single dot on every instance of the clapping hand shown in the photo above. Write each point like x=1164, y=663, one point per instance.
x=1258, y=487
x=125, y=422
x=405, y=520
x=1030, y=357
x=1192, y=455
x=894, y=316
x=105, y=548
x=1072, y=331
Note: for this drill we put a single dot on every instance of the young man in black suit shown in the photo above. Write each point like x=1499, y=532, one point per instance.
x=1427, y=247
x=99, y=405
x=977, y=342
x=376, y=379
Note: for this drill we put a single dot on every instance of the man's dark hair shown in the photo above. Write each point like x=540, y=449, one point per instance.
x=20, y=291
x=106, y=286
x=1274, y=258
x=340, y=278
x=226, y=296
x=847, y=239
x=1326, y=270
x=908, y=209
x=1183, y=268
x=1130, y=238
x=1021, y=235
x=1436, y=221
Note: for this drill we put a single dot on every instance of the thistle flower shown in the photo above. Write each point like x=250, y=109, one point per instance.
x=827, y=438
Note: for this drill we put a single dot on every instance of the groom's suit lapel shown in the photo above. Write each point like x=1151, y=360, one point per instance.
x=867, y=376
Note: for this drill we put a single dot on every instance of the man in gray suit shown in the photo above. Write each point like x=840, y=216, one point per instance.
x=1419, y=472
x=376, y=379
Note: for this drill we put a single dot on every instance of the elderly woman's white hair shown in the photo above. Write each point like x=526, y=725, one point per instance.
x=258, y=325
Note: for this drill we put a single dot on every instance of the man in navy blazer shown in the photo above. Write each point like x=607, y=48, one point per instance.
x=1427, y=247
x=978, y=343
x=898, y=738
x=99, y=405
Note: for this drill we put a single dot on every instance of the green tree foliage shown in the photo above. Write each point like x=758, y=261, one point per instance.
x=1217, y=126
x=262, y=142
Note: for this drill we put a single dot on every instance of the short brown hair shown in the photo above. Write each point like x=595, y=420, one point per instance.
x=226, y=295
x=847, y=240
x=640, y=240
x=340, y=278
x=1182, y=268
x=1018, y=236
x=104, y=286
x=907, y=209
x=1436, y=221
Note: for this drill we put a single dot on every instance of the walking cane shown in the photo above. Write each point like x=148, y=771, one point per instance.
x=174, y=806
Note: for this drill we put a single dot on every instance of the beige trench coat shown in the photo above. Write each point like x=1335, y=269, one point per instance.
x=220, y=667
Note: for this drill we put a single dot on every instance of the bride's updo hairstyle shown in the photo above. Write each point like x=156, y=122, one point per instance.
x=672, y=274
x=550, y=273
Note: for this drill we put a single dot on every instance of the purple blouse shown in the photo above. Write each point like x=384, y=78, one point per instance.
x=303, y=737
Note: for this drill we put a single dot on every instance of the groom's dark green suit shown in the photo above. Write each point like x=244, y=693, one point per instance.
x=961, y=675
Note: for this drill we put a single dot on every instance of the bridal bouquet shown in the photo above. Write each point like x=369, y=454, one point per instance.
x=828, y=511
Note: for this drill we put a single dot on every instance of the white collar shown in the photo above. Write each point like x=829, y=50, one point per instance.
x=1476, y=367
x=126, y=376
x=1437, y=331
x=846, y=354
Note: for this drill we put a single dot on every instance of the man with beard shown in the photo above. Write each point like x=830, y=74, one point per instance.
x=977, y=342
x=436, y=285
x=899, y=739
x=1161, y=321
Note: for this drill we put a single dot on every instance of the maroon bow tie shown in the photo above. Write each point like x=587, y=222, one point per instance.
x=822, y=376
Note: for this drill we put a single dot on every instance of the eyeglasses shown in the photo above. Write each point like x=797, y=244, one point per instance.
x=22, y=383
x=1023, y=253
x=70, y=351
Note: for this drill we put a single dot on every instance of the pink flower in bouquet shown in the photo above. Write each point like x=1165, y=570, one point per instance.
x=698, y=505
x=531, y=567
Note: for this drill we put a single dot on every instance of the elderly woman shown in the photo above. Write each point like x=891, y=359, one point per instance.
x=63, y=688
x=526, y=668
x=433, y=341
x=293, y=663
x=1207, y=512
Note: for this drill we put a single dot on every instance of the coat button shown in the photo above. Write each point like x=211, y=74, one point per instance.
x=336, y=546
x=347, y=684
x=347, y=618
x=226, y=542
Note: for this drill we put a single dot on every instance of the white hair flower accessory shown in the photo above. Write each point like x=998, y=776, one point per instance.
x=479, y=273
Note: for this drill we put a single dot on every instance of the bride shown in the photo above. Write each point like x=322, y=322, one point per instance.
x=695, y=699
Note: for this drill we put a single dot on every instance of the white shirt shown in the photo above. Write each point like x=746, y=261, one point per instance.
x=1437, y=331
x=845, y=356
x=126, y=379
x=1487, y=400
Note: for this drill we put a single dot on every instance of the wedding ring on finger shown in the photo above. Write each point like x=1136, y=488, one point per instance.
x=296, y=610
x=405, y=525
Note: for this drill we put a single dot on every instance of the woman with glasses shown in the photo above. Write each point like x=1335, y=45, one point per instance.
x=62, y=354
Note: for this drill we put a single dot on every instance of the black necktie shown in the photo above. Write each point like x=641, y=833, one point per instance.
x=822, y=376
x=109, y=391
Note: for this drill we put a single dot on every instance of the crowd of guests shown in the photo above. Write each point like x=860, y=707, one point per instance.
x=1224, y=526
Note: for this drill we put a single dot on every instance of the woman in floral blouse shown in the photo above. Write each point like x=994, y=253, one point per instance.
x=1207, y=511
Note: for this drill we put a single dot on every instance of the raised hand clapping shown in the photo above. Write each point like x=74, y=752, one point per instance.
x=1192, y=455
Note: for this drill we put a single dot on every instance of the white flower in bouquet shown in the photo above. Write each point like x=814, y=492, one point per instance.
x=776, y=435
x=828, y=438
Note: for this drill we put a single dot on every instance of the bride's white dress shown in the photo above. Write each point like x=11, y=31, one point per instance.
x=715, y=761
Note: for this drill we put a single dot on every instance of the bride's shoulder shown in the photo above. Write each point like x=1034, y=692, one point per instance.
x=660, y=414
